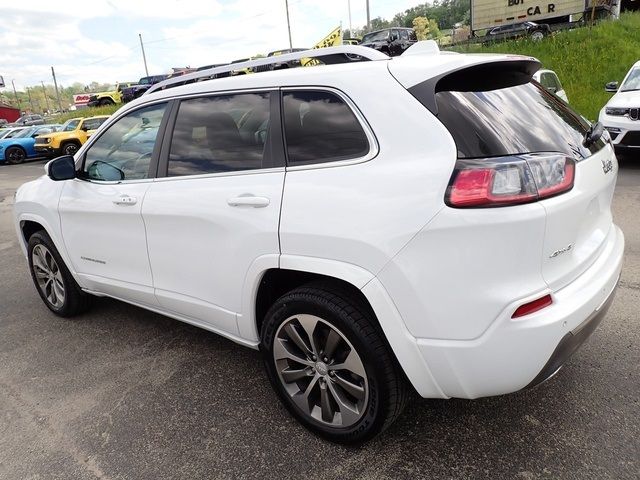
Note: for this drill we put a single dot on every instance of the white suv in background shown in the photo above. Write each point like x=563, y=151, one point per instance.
x=621, y=114
x=444, y=225
x=549, y=80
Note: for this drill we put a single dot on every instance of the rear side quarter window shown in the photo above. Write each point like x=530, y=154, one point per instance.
x=320, y=127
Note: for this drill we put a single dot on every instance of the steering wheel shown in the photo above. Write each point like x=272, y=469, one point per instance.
x=134, y=164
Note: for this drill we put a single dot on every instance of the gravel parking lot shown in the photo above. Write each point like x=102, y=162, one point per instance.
x=122, y=393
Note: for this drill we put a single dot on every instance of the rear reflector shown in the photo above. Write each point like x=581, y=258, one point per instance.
x=531, y=307
x=510, y=180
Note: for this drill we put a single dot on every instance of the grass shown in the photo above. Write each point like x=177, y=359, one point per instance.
x=85, y=112
x=584, y=59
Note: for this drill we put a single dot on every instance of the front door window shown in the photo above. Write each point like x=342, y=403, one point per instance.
x=124, y=150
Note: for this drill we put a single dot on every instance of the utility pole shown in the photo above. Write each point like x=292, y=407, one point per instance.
x=46, y=99
x=15, y=94
x=144, y=57
x=368, y=17
x=33, y=109
x=55, y=84
x=286, y=4
x=349, y=7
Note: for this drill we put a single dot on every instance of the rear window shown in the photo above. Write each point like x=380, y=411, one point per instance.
x=513, y=120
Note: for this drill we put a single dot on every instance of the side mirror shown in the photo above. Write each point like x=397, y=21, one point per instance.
x=611, y=87
x=552, y=89
x=62, y=168
x=83, y=128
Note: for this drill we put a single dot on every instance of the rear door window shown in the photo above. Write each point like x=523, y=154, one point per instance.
x=219, y=134
x=320, y=127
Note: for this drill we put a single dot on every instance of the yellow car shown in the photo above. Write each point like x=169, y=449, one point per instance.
x=70, y=137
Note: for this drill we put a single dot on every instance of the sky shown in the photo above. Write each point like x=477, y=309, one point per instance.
x=97, y=40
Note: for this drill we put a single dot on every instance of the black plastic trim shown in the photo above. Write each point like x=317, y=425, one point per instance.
x=168, y=122
x=479, y=77
x=571, y=342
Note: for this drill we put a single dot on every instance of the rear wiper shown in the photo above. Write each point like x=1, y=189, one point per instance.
x=593, y=134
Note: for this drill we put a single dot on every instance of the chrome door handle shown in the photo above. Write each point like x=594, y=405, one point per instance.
x=125, y=200
x=248, y=201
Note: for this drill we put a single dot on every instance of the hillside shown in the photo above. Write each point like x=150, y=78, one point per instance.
x=584, y=59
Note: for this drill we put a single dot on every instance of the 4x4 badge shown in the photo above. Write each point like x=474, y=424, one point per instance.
x=607, y=166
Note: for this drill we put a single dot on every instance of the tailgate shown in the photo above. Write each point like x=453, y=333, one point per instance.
x=578, y=222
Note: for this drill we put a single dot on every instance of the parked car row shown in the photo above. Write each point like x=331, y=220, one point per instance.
x=18, y=144
x=392, y=41
x=21, y=145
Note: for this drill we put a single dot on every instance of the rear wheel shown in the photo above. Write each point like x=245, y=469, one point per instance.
x=105, y=101
x=15, y=155
x=330, y=365
x=57, y=288
x=537, y=35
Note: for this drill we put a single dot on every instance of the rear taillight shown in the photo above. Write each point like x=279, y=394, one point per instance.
x=511, y=180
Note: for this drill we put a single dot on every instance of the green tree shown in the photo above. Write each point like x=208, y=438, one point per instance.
x=421, y=26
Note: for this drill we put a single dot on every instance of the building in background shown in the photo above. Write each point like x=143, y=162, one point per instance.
x=9, y=113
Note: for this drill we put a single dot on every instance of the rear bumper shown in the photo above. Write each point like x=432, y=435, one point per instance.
x=571, y=342
x=513, y=354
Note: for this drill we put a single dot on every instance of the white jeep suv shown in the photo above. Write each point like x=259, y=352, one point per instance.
x=621, y=114
x=435, y=222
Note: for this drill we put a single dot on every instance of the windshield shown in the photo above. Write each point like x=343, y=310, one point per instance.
x=376, y=36
x=632, y=82
x=145, y=81
x=70, y=125
x=24, y=133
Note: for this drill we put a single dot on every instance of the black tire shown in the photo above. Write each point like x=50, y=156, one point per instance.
x=537, y=35
x=75, y=301
x=385, y=383
x=105, y=101
x=15, y=155
x=70, y=148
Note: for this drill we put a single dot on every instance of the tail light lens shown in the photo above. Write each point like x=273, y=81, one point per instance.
x=532, y=307
x=511, y=180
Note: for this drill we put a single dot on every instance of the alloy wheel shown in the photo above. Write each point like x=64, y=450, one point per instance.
x=70, y=149
x=15, y=155
x=321, y=370
x=48, y=275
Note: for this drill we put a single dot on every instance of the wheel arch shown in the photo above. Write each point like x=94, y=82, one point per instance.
x=70, y=140
x=29, y=227
x=361, y=285
x=16, y=145
x=28, y=224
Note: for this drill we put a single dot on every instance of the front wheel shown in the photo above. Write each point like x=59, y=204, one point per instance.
x=57, y=288
x=15, y=155
x=330, y=364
